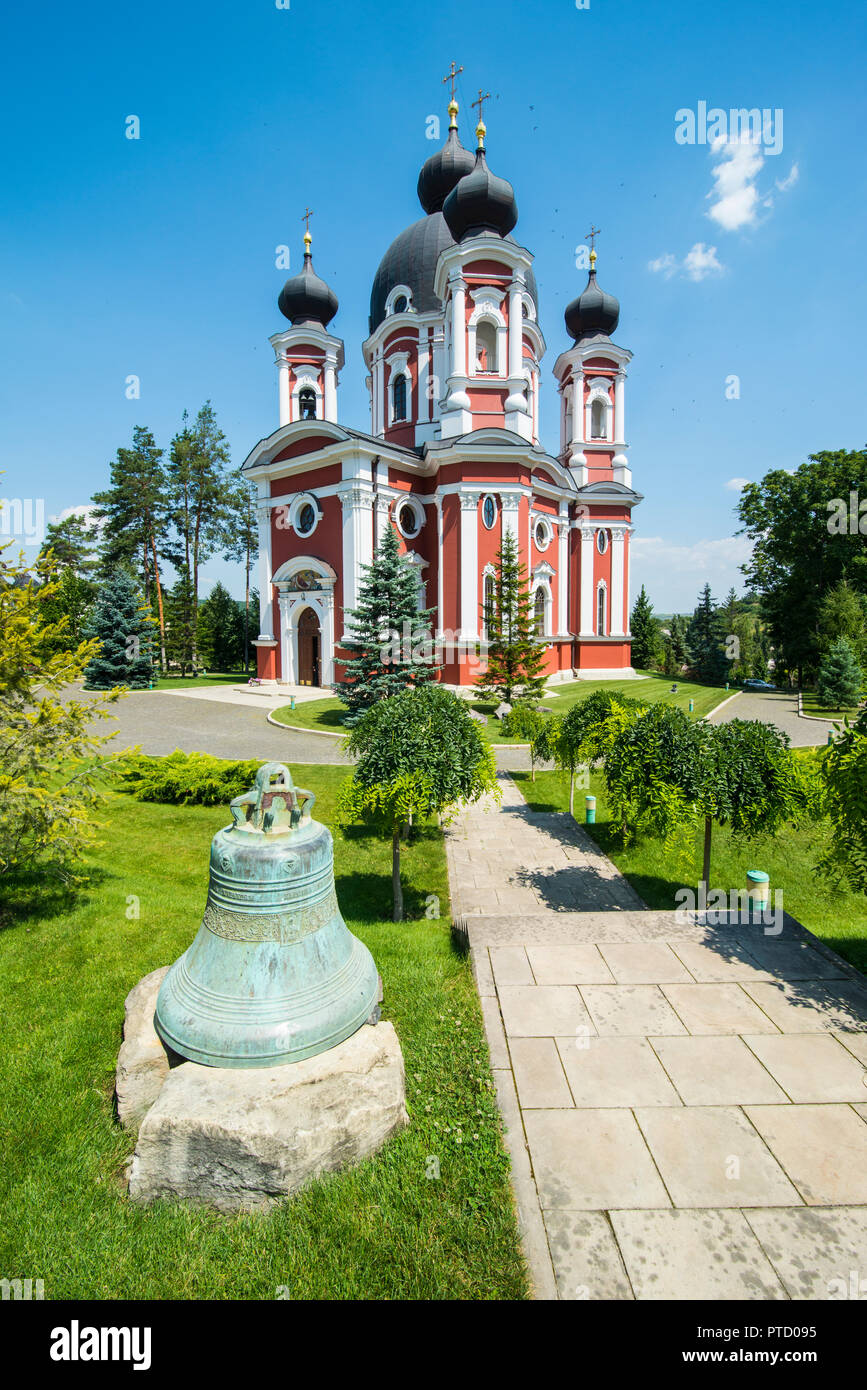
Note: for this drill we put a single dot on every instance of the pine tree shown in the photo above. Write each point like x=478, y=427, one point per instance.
x=200, y=493
x=243, y=543
x=645, y=634
x=514, y=657
x=675, y=648
x=179, y=624
x=841, y=614
x=134, y=510
x=221, y=630
x=72, y=543
x=122, y=625
x=391, y=642
x=705, y=637
x=840, y=677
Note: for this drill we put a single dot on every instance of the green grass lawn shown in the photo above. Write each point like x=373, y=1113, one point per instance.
x=812, y=705
x=327, y=715
x=212, y=678
x=381, y=1231
x=839, y=917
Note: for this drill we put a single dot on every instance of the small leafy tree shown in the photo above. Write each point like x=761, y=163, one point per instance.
x=667, y=774
x=843, y=770
x=122, y=627
x=419, y=753
x=525, y=722
x=51, y=763
x=646, y=640
x=840, y=676
x=391, y=636
x=514, y=656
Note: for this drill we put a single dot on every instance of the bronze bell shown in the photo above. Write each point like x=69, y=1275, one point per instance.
x=274, y=974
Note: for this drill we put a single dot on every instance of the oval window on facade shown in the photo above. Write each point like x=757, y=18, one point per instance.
x=489, y=512
x=407, y=520
x=306, y=519
x=542, y=534
x=602, y=541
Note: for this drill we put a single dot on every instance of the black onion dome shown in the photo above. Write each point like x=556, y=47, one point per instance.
x=593, y=312
x=305, y=298
x=411, y=260
x=442, y=172
x=481, y=202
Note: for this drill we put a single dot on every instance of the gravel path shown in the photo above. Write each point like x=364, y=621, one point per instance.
x=775, y=707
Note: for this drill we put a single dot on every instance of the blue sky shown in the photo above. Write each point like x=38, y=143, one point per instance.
x=156, y=257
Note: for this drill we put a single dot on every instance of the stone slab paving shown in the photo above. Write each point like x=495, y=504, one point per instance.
x=685, y=1104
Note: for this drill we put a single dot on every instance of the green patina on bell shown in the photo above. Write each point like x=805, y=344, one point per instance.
x=274, y=974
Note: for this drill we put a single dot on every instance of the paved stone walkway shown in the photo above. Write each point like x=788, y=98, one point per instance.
x=775, y=707
x=685, y=1105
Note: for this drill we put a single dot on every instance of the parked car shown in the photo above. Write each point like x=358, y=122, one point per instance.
x=758, y=685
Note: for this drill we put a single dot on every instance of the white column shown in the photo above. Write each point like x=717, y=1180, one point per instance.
x=438, y=626
x=423, y=413
x=263, y=516
x=578, y=405
x=619, y=407
x=357, y=503
x=376, y=394
x=563, y=573
x=284, y=395
x=617, y=624
x=588, y=540
x=469, y=566
x=288, y=640
x=330, y=385
x=510, y=503
x=516, y=322
x=439, y=357
x=327, y=633
x=459, y=328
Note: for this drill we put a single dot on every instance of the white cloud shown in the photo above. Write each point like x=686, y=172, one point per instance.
x=736, y=198
x=673, y=573
x=699, y=262
x=790, y=180
x=664, y=265
x=736, y=484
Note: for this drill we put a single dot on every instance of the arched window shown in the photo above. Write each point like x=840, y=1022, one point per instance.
x=486, y=347
x=539, y=612
x=398, y=398
x=598, y=415
x=400, y=304
x=490, y=592
x=600, y=611
x=307, y=404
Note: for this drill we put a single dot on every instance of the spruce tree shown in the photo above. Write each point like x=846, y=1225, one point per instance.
x=121, y=623
x=391, y=647
x=840, y=677
x=645, y=634
x=514, y=656
x=221, y=630
x=705, y=639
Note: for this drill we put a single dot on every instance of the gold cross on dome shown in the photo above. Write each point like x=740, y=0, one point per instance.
x=452, y=76
x=483, y=97
x=306, y=216
x=592, y=235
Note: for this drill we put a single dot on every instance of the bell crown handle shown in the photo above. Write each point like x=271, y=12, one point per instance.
x=273, y=803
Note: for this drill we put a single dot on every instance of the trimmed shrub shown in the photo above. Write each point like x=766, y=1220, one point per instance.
x=188, y=779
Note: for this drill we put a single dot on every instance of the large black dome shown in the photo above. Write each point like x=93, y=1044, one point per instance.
x=481, y=202
x=593, y=312
x=305, y=298
x=442, y=172
x=411, y=260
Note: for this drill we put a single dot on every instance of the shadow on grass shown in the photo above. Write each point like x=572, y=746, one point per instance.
x=29, y=895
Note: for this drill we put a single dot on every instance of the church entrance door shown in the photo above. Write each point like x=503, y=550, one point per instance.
x=309, y=644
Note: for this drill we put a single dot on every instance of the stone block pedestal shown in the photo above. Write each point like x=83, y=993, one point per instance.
x=240, y=1139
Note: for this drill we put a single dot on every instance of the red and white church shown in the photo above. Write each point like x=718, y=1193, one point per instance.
x=452, y=457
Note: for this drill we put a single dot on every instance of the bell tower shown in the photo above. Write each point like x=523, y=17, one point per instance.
x=308, y=357
x=492, y=341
